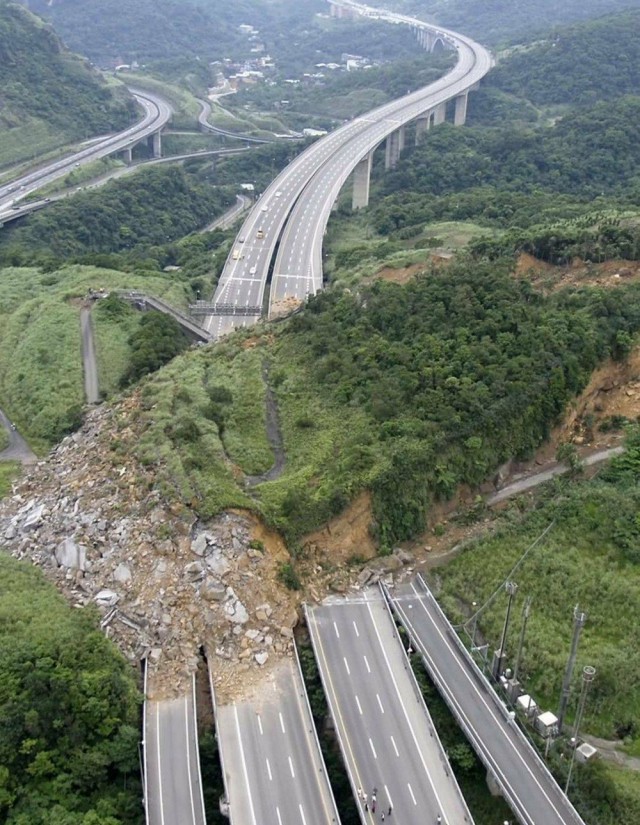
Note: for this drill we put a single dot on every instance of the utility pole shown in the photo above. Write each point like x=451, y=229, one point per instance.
x=579, y=620
x=588, y=675
x=513, y=685
x=525, y=618
x=499, y=654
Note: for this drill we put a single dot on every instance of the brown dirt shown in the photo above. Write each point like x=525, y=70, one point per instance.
x=398, y=276
x=550, y=278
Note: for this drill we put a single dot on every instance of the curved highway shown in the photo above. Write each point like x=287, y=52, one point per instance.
x=300, y=198
x=157, y=113
x=298, y=266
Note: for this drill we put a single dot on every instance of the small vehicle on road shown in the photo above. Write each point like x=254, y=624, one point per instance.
x=260, y=234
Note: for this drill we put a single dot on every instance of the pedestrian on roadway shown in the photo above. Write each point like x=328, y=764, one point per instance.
x=359, y=793
x=364, y=798
x=366, y=806
x=382, y=817
x=389, y=811
x=373, y=805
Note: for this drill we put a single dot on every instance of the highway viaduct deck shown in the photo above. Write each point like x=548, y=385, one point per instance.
x=526, y=783
x=295, y=208
x=386, y=735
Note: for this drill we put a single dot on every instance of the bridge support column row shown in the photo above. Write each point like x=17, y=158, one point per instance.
x=361, y=182
x=393, y=148
x=128, y=157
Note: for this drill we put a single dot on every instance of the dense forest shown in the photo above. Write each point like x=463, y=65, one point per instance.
x=49, y=92
x=110, y=31
x=496, y=21
x=407, y=391
x=69, y=711
x=578, y=65
x=151, y=209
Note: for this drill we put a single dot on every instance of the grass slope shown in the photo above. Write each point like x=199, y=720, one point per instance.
x=591, y=557
x=41, y=381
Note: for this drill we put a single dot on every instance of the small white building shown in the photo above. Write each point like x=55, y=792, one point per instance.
x=547, y=724
x=585, y=753
x=527, y=705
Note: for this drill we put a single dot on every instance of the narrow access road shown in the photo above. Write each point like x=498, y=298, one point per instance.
x=18, y=449
x=89, y=363
x=523, y=485
x=241, y=205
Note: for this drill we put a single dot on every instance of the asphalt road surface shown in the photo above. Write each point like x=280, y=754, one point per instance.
x=173, y=792
x=274, y=772
x=89, y=365
x=298, y=266
x=18, y=449
x=532, y=792
x=386, y=735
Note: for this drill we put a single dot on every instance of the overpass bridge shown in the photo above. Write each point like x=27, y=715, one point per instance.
x=172, y=781
x=143, y=302
x=526, y=783
x=386, y=735
x=272, y=765
x=291, y=216
x=157, y=114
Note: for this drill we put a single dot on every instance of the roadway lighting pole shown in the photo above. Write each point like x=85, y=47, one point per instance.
x=474, y=606
x=499, y=654
x=588, y=675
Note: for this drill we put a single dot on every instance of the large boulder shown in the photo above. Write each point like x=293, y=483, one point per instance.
x=71, y=555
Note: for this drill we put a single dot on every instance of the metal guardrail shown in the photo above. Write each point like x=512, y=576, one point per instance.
x=205, y=308
x=136, y=297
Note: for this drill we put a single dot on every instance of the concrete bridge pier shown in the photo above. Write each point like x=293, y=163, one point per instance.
x=461, y=109
x=361, y=182
x=423, y=124
x=128, y=157
x=440, y=114
x=155, y=145
x=393, y=148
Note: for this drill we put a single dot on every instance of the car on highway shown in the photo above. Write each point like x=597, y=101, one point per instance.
x=263, y=208
x=279, y=193
x=235, y=254
x=260, y=234
x=241, y=240
x=253, y=270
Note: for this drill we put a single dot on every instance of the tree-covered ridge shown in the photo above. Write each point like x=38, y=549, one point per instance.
x=68, y=712
x=42, y=82
x=576, y=65
x=153, y=208
x=499, y=21
x=404, y=391
x=151, y=30
x=515, y=177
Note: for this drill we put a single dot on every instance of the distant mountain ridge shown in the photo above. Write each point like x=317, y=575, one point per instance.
x=109, y=31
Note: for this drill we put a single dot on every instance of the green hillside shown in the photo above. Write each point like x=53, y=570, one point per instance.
x=49, y=96
x=152, y=30
x=576, y=65
x=496, y=21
